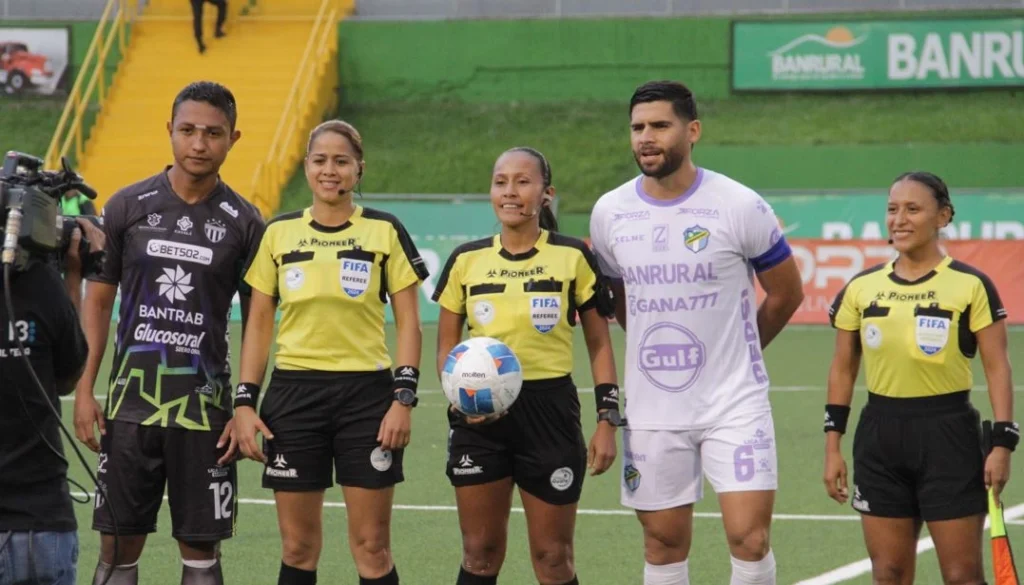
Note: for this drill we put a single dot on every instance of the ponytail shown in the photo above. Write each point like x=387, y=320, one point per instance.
x=547, y=219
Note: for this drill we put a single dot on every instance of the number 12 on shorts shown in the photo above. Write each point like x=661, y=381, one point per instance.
x=223, y=493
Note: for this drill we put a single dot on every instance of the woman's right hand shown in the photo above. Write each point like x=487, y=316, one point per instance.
x=835, y=476
x=475, y=420
x=247, y=424
x=89, y=414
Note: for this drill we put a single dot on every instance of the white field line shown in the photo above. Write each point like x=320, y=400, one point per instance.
x=589, y=511
x=863, y=566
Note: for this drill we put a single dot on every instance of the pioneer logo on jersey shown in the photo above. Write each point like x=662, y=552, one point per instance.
x=215, y=230
x=932, y=333
x=696, y=238
x=355, y=276
x=545, y=312
x=671, y=357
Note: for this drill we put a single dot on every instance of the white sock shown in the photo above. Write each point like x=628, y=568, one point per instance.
x=674, y=574
x=754, y=572
x=201, y=564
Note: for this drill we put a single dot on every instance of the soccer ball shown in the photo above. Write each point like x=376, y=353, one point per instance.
x=482, y=377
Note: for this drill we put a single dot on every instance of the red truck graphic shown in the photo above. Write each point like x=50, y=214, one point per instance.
x=21, y=68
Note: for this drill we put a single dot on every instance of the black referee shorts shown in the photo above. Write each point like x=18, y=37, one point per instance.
x=539, y=443
x=325, y=420
x=919, y=458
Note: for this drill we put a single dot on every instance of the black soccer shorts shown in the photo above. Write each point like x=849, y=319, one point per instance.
x=539, y=444
x=136, y=462
x=919, y=458
x=322, y=420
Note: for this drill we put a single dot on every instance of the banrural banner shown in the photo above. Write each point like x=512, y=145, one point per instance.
x=880, y=54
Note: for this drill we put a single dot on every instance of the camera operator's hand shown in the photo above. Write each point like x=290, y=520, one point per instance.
x=88, y=412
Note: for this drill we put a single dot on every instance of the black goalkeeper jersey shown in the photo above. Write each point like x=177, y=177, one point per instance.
x=179, y=267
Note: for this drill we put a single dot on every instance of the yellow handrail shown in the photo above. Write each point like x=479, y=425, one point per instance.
x=118, y=14
x=302, y=110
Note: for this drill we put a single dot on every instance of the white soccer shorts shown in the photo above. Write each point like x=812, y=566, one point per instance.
x=664, y=468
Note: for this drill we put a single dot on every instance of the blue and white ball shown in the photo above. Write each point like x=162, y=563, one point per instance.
x=482, y=377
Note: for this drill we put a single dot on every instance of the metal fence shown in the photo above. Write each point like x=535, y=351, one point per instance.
x=443, y=9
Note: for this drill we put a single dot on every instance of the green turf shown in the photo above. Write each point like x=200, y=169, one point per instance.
x=450, y=148
x=27, y=125
x=608, y=544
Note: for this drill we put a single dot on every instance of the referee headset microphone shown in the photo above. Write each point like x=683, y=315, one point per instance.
x=34, y=233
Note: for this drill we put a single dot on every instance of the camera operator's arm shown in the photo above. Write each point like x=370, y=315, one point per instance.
x=73, y=270
x=96, y=314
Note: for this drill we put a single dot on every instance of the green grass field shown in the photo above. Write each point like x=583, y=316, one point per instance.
x=811, y=534
x=431, y=147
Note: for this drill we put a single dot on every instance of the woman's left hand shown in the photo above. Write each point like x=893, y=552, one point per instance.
x=396, y=428
x=602, y=450
x=997, y=470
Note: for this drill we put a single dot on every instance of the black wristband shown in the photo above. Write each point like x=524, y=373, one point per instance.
x=247, y=395
x=406, y=377
x=835, y=418
x=1005, y=434
x=606, y=396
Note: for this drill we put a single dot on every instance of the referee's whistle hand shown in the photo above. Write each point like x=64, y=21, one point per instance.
x=835, y=477
x=396, y=428
x=997, y=470
x=247, y=424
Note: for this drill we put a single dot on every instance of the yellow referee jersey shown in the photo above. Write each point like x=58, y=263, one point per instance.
x=918, y=337
x=332, y=284
x=528, y=301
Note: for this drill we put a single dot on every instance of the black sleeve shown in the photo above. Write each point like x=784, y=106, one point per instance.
x=114, y=225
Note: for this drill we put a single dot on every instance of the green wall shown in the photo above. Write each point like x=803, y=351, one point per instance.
x=529, y=60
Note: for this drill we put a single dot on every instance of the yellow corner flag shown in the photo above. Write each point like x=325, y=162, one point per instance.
x=1002, y=557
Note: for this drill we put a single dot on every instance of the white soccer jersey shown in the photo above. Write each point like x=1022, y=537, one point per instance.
x=693, y=353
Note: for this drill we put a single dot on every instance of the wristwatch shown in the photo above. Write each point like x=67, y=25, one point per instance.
x=612, y=416
x=406, y=397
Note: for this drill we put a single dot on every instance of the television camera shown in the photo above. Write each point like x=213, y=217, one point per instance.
x=32, y=228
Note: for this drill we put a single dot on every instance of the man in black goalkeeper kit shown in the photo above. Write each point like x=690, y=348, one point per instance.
x=38, y=532
x=178, y=244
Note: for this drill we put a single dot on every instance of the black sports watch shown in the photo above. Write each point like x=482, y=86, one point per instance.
x=406, y=397
x=612, y=416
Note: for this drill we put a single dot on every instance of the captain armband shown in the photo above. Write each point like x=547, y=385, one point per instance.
x=604, y=298
x=1005, y=434
x=606, y=397
x=835, y=418
x=247, y=394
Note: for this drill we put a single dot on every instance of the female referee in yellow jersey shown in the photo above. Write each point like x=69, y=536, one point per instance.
x=526, y=287
x=332, y=401
x=917, y=450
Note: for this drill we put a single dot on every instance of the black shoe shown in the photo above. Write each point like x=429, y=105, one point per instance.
x=202, y=48
x=219, y=34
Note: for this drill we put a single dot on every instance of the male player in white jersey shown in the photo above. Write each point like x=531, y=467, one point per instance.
x=684, y=244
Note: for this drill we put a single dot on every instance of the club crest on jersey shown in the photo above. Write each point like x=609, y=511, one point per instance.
x=631, y=477
x=696, y=238
x=215, y=230
x=355, y=276
x=931, y=333
x=545, y=312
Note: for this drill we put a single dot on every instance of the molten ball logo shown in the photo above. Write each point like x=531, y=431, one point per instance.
x=671, y=357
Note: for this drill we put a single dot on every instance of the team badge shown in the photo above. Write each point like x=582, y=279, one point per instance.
x=215, y=230
x=355, y=276
x=562, y=478
x=380, y=459
x=872, y=336
x=294, y=278
x=931, y=333
x=696, y=238
x=545, y=312
x=484, y=312
x=631, y=477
